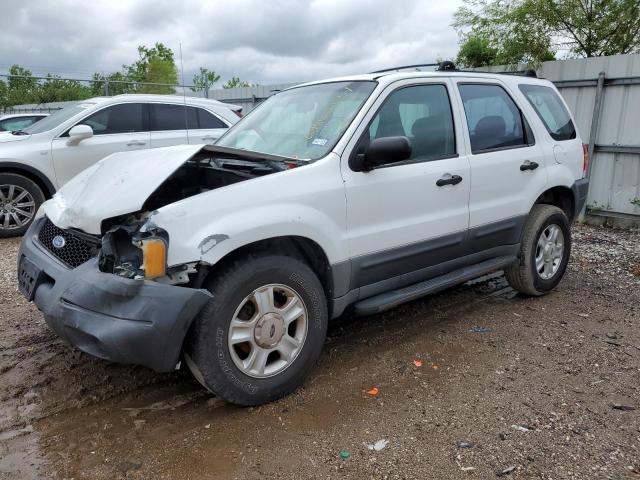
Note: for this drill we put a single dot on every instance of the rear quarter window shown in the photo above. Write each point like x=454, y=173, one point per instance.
x=549, y=107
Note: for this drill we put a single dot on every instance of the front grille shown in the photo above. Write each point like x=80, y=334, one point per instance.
x=75, y=251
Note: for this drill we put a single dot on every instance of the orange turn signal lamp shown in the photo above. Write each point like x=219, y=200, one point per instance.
x=154, y=257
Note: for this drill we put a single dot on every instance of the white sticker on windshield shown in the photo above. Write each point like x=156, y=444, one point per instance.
x=319, y=141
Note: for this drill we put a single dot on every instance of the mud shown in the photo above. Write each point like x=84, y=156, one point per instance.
x=528, y=383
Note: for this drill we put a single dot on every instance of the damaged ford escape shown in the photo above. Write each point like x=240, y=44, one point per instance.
x=360, y=192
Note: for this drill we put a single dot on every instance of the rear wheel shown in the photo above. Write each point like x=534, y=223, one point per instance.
x=262, y=332
x=544, y=252
x=20, y=198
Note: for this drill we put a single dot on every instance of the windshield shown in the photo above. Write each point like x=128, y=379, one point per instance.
x=304, y=122
x=55, y=119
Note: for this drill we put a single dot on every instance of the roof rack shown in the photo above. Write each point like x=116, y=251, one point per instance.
x=393, y=69
x=448, y=66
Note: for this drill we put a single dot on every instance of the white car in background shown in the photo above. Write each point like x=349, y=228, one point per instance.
x=18, y=121
x=37, y=160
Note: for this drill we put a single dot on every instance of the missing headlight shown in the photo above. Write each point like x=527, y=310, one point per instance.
x=123, y=250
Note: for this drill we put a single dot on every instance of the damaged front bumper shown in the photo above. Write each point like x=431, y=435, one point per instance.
x=123, y=320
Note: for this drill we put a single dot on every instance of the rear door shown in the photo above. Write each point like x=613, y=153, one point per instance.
x=507, y=163
x=116, y=128
x=401, y=217
x=208, y=129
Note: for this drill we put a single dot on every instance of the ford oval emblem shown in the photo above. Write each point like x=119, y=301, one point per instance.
x=58, y=241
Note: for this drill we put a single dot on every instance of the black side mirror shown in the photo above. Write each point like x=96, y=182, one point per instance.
x=382, y=151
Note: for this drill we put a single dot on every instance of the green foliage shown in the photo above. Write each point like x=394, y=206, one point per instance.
x=117, y=84
x=532, y=31
x=154, y=65
x=139, y=70
x=235, y=82
x=204, y=80
x=160, y=71
x=3, y=94
x=22, y=88
x=635, y=202
x=476, y=51
x=55, y=89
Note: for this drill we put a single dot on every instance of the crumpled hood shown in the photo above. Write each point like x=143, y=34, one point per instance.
x=6, y=137
x=116, y=185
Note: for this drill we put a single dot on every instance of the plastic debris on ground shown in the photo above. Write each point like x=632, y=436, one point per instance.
x=373, y=392
x=481, y=330
x=506, y=471
x=344, y=454
x=521, y=428
x=464, y=444
x=417, y=362
x=379, y=445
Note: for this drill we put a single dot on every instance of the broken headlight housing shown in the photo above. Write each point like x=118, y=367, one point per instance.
x=131, y=253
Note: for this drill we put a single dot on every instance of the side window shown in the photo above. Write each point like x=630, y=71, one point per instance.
x=123, y=118
x=208, y=120
x=547, y=104
x=493, y=118
x=165, y=116
x=18, y=123
x=421, y=113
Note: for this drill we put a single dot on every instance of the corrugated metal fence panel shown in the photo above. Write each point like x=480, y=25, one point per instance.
x=247, y=97
x=615, y=177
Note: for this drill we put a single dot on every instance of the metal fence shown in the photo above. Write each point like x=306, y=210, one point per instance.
x=604, y=95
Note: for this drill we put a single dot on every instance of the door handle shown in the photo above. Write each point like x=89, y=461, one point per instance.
x=449, y=180
x=527, y=165
x=209, y=137
x=135, y=143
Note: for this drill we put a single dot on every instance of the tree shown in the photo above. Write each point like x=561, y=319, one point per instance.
x=204, y=80
x=55, y=89
x=476, y=51
x=117, y=84
x=160, y=71
x=21, y=86
x=4, y=101
x=532, y=31
x=235, y=82
x=139, y=70
x=155, y=64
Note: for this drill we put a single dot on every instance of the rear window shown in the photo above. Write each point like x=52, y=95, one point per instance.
x=547, y=104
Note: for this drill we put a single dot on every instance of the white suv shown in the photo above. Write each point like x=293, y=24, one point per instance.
x=361, y=192
x=36, y=160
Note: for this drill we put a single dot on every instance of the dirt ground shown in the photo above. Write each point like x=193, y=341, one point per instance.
x=509, y=387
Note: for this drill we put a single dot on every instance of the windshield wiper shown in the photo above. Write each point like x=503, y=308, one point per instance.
x=18, y=132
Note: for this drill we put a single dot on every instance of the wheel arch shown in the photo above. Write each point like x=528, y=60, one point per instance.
x=300, y=247
x=32, y=174
x=562, y=197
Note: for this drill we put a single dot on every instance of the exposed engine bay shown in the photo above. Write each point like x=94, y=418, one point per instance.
x=126, y=237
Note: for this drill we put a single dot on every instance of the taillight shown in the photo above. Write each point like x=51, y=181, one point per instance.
x=238, y=112
x=585, y=159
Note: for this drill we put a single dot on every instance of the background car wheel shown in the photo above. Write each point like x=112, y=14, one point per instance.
x=262, y=332
x=544, y=252
x=20, y=199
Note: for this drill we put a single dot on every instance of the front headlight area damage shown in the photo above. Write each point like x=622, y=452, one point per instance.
x=135, y=248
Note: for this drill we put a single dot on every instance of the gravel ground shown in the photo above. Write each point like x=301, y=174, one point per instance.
x=475, y=382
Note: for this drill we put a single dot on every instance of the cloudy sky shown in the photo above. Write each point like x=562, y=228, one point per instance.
x=261, y=41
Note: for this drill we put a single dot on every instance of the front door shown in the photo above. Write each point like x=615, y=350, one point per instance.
x=412, y=215
x=117, y=128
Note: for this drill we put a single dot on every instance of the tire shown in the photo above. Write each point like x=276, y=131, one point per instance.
x=237, y=290
x=524, y=276
x=16, y=217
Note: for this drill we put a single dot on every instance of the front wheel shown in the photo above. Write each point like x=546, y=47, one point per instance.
x=544, y=252
x=20, y=198
x=261, y=333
